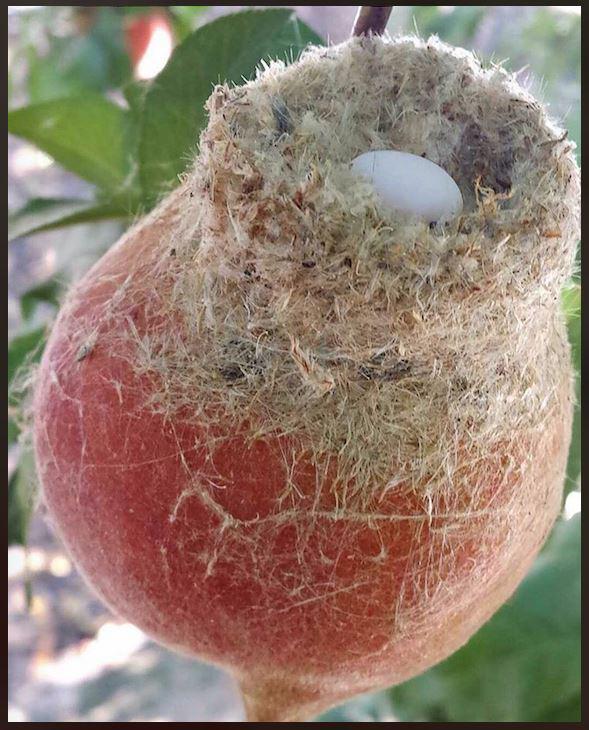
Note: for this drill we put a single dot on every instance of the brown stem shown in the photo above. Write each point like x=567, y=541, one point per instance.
x=279, y=700
x=371, y=19
x=257, y=712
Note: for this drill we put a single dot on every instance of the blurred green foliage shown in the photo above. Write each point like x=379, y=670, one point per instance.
x=132, y=155
x=87, y=134
x=135, y=154
x=572, y=308
x=456, y=26
x=524, y=664
x=216, y=51
x=132, y=139
x=72, y=50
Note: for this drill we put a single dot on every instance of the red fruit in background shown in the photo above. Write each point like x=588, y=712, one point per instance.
x=142, y=31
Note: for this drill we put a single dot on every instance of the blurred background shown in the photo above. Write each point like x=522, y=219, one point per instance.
x=69, y=658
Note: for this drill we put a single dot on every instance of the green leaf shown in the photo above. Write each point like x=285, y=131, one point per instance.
x=135, y=92
x=24, y=348
x=21, y=500
x=572, y=307
x=570, y=707
x=48, y=292
x=524, y=664
x=13, y=431
x=186, y=18
x=87, y=135
x=74, y=50
x=228, y=49
x=42, y=214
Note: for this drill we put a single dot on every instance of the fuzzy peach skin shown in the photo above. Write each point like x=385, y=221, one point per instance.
x=304, y=613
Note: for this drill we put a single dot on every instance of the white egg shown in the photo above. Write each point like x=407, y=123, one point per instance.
x=411, y=184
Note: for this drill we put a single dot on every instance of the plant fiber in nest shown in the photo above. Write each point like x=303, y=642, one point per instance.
x=386, y=343
x=405, y=373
